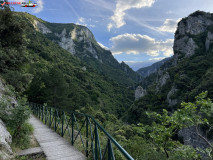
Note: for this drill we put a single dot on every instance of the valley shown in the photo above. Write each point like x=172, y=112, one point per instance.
x=152, y=113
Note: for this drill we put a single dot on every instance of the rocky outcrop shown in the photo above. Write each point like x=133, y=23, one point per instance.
x=5, y=141
x=185, y=45
x=209, y=40
x=139, y=92
x=163, y=79
x=191, y=138
x=66, y=42
x=82, y=34
x=195, y=24
x=41, y=27
x=171, y=101
x=79, y=35
x=2, y=88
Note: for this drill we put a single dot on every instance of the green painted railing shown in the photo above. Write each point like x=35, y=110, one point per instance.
x=83, y=131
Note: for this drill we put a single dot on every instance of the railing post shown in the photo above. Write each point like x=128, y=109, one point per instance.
x=39, y=111
x=42, y=116
x=45, y=113
x=110, y=151
x=62, y=124
x=55, y=120
x=36, y=110
x=96, y=143
x=73, y=128
x=50, y=117
x=87, y=136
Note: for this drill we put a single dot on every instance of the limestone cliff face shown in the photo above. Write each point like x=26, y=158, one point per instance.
x=41, y=27
x=66, y=42
x=188, y=28
x=69, y=38
x=139, y=92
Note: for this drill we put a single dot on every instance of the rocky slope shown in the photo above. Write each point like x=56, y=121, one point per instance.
x=80, y=42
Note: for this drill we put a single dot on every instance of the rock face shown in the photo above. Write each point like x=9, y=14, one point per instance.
x=81, y=35
x=171, y=101
x=139, y=92
x=185, y=45
x=5, y=141
x=2, y=88
x=66, y=42
x=41, y=27
x=163, y=79
x=209, y=40
x=195, y=24
x=191, y=138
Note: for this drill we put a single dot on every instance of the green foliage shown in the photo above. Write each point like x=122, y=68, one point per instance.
x=15, y=116
x=190, y=114
x=12, y=41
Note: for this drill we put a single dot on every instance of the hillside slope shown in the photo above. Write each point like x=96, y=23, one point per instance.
x=187, y=74
x=47, y=73
x=80, y=42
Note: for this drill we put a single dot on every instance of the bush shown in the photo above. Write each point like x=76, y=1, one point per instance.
x=15, y=116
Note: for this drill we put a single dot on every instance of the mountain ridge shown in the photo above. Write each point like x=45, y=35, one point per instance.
x=146, y=71
x=80, y=42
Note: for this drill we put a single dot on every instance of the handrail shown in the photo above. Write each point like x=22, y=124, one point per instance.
x=63, y=121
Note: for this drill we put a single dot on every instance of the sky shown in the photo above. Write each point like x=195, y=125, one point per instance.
x=138, y=32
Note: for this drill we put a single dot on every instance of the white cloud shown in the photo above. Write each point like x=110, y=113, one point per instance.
x=141, y=44
x=102, y=46
x=122, y=6
x=169, y=25
x=39, y=7
x=81, y=19
x=157, y=59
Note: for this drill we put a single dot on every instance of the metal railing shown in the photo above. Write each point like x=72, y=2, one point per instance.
x=83, y=131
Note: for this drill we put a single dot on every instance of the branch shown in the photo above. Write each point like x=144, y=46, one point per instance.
x=203, y=138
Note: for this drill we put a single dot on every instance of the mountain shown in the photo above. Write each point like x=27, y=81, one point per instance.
x=80, y=42
x=146, y=71
x=41, y=69
x=185, y=75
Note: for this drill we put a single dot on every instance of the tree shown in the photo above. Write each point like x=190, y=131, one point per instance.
x=12, y=41
x=196, y=114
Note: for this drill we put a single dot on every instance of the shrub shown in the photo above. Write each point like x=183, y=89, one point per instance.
x=16, y=117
